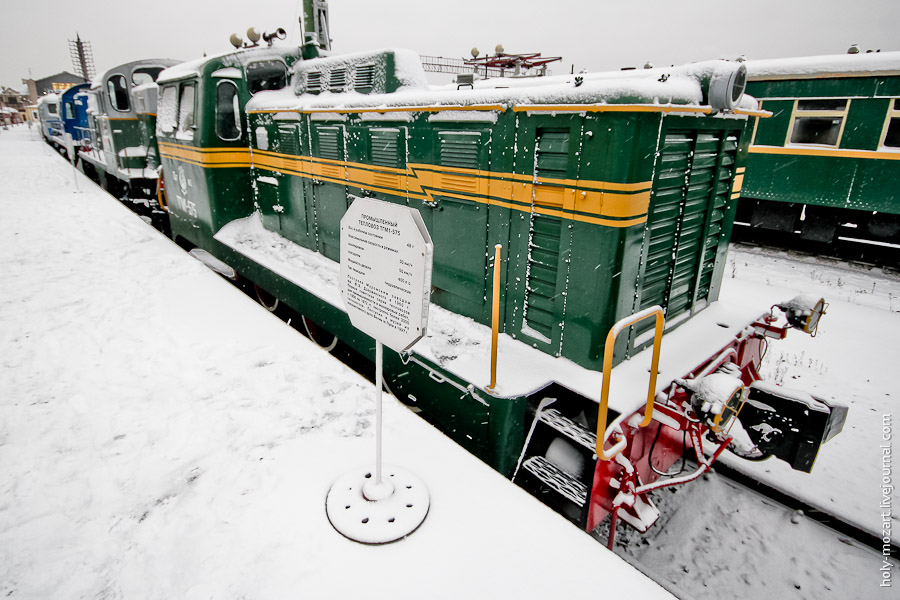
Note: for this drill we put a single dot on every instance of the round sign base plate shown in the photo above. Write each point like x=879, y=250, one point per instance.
x=370, y=514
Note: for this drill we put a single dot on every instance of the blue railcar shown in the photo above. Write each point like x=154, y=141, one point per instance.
x=73, y=111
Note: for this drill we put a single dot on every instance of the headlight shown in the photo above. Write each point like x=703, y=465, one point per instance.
x=726, y=88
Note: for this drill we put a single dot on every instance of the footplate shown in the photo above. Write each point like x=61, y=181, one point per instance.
x=557, y=479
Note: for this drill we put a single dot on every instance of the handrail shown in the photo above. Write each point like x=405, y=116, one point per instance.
x=162, y=198
x=495, y=319
x=607, y=372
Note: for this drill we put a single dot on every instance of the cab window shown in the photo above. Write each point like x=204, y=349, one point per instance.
x=168, y=110
x=118, y=92
x=186, y=112
x=228, y=114
x=266, y=75
x=144, y=75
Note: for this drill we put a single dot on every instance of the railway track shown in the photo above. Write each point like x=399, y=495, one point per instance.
x=846, y=248
x=728, y=531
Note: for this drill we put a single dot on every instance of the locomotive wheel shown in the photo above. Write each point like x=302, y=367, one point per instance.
x=267, y=300
x=313, y=332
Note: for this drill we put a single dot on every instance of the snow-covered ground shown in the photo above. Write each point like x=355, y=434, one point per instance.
x=853, y=360
x=173, y=450
x=161, y=436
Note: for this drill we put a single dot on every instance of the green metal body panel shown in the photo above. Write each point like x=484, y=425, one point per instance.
x=147, y=125
x=857, y=174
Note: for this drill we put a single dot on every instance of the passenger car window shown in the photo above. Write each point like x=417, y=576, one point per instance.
x=118, y=92
x=818, y=121
x=266, y=75
x=228, y=115
x=891, y=137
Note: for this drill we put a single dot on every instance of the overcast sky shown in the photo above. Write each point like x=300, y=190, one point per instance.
x=591, y=34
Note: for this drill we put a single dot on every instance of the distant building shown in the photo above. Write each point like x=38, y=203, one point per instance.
x=51, y=85
x=12, y=105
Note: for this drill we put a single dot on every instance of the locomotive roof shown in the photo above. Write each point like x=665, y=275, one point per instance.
x=673, y=86
x=75, y=89
x=130, y=66
x=195, y=68
x=835, y=65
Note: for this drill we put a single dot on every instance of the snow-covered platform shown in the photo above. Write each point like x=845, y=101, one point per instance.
x=161, y=436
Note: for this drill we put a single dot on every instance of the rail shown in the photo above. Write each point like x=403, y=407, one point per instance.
x=653, y=311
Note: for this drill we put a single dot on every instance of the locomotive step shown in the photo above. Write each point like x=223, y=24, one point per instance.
x=556, y=478
x=569, y=428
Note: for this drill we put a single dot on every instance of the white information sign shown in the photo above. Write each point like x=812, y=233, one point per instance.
x=386, y=255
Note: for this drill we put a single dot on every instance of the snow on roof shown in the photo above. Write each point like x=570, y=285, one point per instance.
x=407, y=64
x=136, y=64
x=48, y=98
x=677, y=85
x=835, y=65
x=232, y=58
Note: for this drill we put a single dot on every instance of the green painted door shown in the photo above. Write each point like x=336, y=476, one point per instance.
x=330, y=196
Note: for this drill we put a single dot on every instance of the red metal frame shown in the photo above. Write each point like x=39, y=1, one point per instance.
x=618, y=484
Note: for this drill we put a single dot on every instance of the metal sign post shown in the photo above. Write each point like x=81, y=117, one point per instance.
x=70, y=148
x=386, y=255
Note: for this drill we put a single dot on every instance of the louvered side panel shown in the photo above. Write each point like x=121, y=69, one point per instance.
x=543, y=269
x=331, y=147
x=287, y=139
x=386, y=146
x=365, y=79
x=692, y=234
x=723, y=183
x=664, y=217
x=551, y=162
x=459, y=150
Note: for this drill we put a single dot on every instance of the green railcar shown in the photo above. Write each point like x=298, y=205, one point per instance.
x=825, y=165
x=612, y=197
x=120, y=150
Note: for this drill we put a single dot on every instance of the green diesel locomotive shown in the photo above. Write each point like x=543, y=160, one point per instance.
x=612, y=197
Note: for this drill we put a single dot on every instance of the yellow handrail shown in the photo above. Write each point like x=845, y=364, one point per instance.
x=161, y=196
x=495, y=319
x=607, y=373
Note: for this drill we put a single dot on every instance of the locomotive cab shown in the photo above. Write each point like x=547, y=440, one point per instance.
x=117, y=152
x=203, y=138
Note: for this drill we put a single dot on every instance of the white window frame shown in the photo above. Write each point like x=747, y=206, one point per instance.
x=893, y=112
x=818, y=114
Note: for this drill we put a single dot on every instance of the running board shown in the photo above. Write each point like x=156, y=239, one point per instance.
x=569, y=428
x=557, y=479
